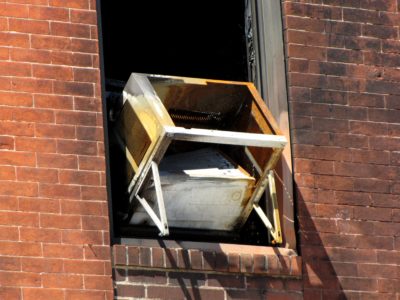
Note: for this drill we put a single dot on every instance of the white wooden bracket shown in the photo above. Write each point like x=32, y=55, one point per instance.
x=275, y=228
x=161, y=222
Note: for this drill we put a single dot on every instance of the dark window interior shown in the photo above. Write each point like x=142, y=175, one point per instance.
x=185, y=38
x=203, y=39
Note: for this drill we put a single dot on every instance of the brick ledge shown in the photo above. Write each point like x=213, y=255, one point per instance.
x=207, y=258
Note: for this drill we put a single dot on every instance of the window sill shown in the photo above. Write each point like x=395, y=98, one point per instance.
x=207, y=258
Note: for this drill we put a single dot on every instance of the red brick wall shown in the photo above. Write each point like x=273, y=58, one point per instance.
x=54, y=240
x=174, y=272
x=344, y=92
x=344, y=104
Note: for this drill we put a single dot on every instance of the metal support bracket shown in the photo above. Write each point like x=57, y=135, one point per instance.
x=275, y=229
x=161, y=222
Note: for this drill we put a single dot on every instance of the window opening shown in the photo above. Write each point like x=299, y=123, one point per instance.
x=206, y=39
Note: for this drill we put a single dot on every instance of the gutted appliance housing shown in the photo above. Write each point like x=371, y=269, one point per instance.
x=199, y=153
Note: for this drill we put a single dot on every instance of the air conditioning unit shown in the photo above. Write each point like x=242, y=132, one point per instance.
x=199, y=153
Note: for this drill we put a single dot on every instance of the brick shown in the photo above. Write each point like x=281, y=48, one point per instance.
x=96, y=252
x=264, y=283
x=308, y=25
x=84, y=17
x=8, y=202
x=79, y=177
x=17, y=279
x=7, y=173
x=57, y=161
x=355, y=227
x=84, y=46
x=86, y=75
x=10, y=293
x=234, y=262
x=76, y=147
x=20, y=248
x=62, y=281
x=71, y=59
x=19, y=218
x=312, y=11
x=87, y=104
x=226, y=281
x=159, y=277
x=40, y=235
x=63, y=251
x=14, y=128
x=35, y=144
x=158, y=260
x=306, y=38
x=91, y=163
x=307, y=80
x=59, y=190
x=13, y=10
x=133, y=256
x=298, y=65
x=94, y=193
x=39, y=205
x=313, y=166
x=373, y=214
x=76, y=118
x=182, y=278
x=347, y=56
x=6, y=143
x=178, y=293
x=361, y=16
x=131, y=291
x=343, y=28
x=368, y=128
x=328, y=68
x=29, y=26
x=37, y=175
x=38, y=265
x=48, y=13
x=90, y=133
x=372, y=185
x=73, y=88
x=52, y=72
x=15, y=39
x=374, y=242
x=55, y=131
x=60, y=221
x=260, y=263
x=81, y=4
x=18, y=188
x=70, y=30
x=388, y=257
x=390, y=46
x=84, y=295
x=31, y=85
x=46, y=42
x=98, y=282
x=377, y=271
x=15, y=99
x=373, y=157
x=209, y=260
x=86, y=208
x=33, y=115
x=75, y=237
x=380, y=32
x=246, y=263
x=7, y=233
x=15, y=69
x=84, y=267
x=388, y=285
x=307, y=52
x=334, y=182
